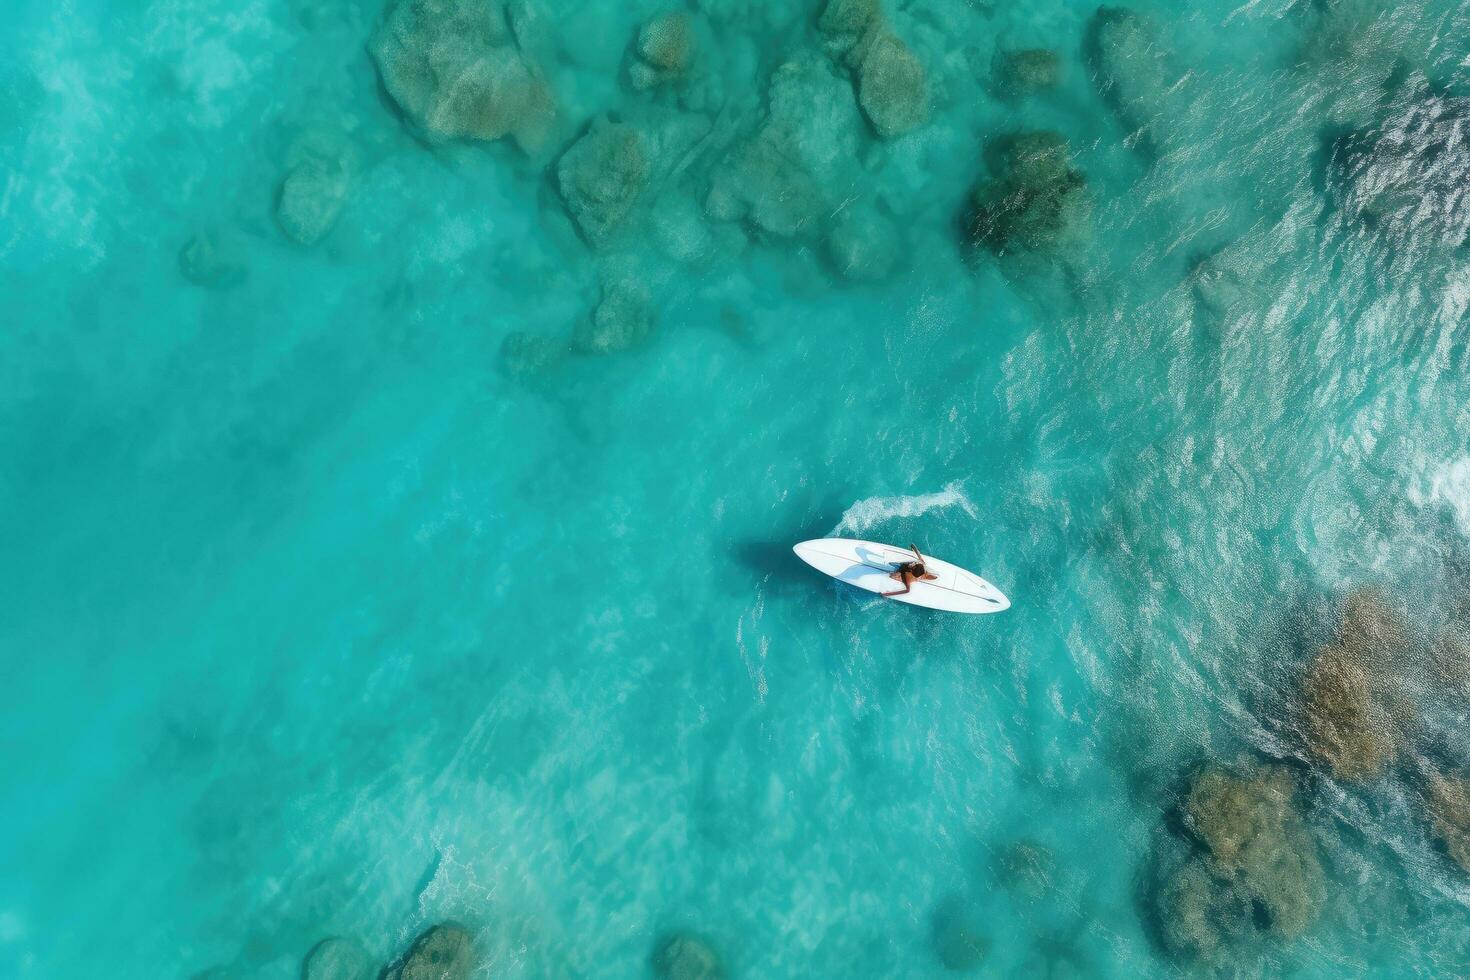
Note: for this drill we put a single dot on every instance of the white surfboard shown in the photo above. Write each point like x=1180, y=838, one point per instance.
x=867, y=564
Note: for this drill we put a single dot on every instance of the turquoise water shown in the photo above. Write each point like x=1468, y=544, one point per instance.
x=395, y=522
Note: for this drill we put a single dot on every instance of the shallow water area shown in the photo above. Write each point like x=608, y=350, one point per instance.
x=407, y=410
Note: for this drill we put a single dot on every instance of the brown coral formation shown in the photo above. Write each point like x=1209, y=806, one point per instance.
x=1230, y=812
x=1248, y=824
x=1369, y=623
x=765, y=184
x=1354, y=708
x=1450, y=660
x=1449, y=809
x=1200, y=913
x=1255, y=869
x=1344, y=725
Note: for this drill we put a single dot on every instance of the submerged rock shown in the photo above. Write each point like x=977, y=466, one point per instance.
x=1018, y=74
x=810, y=111
x=319, y=171
x=336, y=959
x=601, y=177
x=454, y=68
x=665, y=50
x=212, y=259
x=311, y=198
x=1132, y=68
x=844, y=23
x=891, y=83
x=1353, y=49
x=782, y=178
x=443, y=952
x=623, y=319
x=893, y=88
x=766, y=185
x=1408, y=177
x=1219, y=284
x=1036, y=199
x=685, y=956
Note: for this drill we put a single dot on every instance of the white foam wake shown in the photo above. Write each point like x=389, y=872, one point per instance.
x=872, y=511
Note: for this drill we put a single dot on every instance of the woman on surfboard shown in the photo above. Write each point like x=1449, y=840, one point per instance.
x=910, y=572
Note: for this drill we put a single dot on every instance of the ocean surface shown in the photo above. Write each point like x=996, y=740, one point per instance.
x=407, y=408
